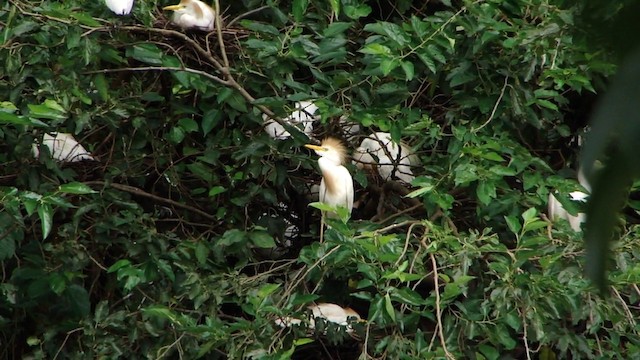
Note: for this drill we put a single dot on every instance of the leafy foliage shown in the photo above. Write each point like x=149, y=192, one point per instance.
x=177, y=241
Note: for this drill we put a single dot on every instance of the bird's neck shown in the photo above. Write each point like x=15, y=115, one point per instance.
x=329, y=174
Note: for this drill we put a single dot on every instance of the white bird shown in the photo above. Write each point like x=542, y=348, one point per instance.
x=302, y=116
x=63, y=147
x=349, y=128
x=380, y=153
x=557, y=211
x=336, y=187
x=327, y=311
x=120, y=7
x=189, y=14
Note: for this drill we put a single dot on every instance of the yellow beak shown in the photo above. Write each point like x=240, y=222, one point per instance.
x=173, y=7
x=314, y=147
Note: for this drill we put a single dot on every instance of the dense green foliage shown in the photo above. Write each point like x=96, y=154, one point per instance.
x=164, y=246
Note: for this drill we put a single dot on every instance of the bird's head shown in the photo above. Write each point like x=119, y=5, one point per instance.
x=186, y=7
x=331, y=149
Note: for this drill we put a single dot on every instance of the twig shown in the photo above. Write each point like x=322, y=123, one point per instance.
x=438, y=310
x=223, y=51
x=140, y=192
x=524, y=336
x=406, y=244
x=162, y=68
x=495, y=106
x=250, y=12
x=65, y=341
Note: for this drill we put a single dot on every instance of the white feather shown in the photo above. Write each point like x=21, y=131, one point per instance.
x=392, y=159
x=302, y=117
x=120, y=7
x=327, y=311
x=557, y=211
x=63, y=147
x=193, y=14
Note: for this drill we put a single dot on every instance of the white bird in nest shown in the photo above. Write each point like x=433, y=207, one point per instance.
x=557, y=211
x=193, y=14
x=336, y=187
x=390, y=160
x=328, y=312
x=302, y=116
x=120, y=7
x=63, y=147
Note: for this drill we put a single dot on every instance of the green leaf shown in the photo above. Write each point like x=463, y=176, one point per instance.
x=388, y=306
x=262, y=239
x=408, y=69
x=45, y=213
x=122, y=263
x=375, y=49
x=336, y=28
x=100, y=82
x=231, y=237
x=486, y=191
x=299, y=8
x=357, y=11
x=387, y=65
x=513, y=224
x=210, y=120
x=335, y=7
x=146, y=53
x=216, y=190
x=202, y=253
x=76, y=188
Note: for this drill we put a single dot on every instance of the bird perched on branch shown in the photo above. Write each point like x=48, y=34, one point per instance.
x=120, y=7
x=63, y=147
x=336, y=187
x=388, y=159
x=327, y=312
x=193, y=14
x=304, y=114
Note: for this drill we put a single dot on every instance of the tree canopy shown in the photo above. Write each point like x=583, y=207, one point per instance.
x=190, y=234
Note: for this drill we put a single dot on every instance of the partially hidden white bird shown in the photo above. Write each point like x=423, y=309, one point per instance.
x=193, y=14
x=302, y=117
x=327, y=311
x=390, y=160
x=120, y=7
x=557, y=211
x=336, y=187
x=63, y=147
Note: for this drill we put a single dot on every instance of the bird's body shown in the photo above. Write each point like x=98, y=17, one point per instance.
x=303, y=115
x=336, y=187
x=327, y=311
x=193, y=14
x=557, y=211
x=63, y=147
x=389, y=159
x=120, y=7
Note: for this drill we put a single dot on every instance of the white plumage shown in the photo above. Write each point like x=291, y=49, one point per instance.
x=389, y=159
x=327, y=311
x=63, y=147
x=336, y=187
x=120, y=7
x=193, y=14
x=557, y=211
x=302, y=117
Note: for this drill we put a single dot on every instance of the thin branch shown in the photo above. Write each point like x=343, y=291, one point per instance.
x=162, y=68
x=438, y=310
x=495, y=106
x=223, y=50
x=250, y=12
x=140, y=192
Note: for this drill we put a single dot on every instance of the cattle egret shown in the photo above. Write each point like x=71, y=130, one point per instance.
x=63, y=147
x=193, y=14
x=327, y=311
x=388, y=159
x=557, y=211
x=302, y=117
x=336, y=187
x=120, y=7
